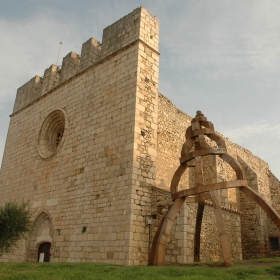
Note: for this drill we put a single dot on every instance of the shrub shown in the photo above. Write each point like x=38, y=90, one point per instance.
x=15, y=223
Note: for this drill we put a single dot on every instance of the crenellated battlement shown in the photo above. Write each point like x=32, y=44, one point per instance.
x=90, y=54
x=70, y=66
x=138, y=25
x=50, y=79
x=28, y=92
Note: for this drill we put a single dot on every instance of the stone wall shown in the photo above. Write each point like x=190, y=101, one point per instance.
x=254, y=222
x=272, y=229
x=172, y=124
x=210, y=243
x=90, y=183
x=145, y=135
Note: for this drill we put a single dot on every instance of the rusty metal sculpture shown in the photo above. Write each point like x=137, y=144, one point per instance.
x=196, y=137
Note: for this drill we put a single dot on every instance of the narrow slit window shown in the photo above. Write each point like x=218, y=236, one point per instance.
x=274, y=243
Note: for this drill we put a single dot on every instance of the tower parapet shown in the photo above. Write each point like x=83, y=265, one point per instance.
x=139, y=25
x=90, y=54
x=51, y=78
x=28, y=92
x=70, y=66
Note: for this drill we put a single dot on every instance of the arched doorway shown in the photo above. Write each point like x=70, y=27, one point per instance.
x=41, y=235
x=44, y=252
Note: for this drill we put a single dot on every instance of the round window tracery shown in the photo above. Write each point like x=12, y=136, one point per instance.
x=52, y=133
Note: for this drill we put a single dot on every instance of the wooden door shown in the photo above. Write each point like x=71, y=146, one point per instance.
x=44, y=252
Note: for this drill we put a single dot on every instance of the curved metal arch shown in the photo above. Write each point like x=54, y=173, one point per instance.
x=177, y=177
x=236, y=166
x=157, y=255
x=268, y=209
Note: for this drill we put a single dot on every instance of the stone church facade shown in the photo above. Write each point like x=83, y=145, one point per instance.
x=93, y=146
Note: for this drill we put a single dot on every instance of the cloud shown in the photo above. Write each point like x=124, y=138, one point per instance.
x=243, y=39
x=30, y=46
x=262, y=138
x=258, y=129
x=222, y=58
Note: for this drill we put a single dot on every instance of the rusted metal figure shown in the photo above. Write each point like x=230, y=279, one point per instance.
x=196, y=137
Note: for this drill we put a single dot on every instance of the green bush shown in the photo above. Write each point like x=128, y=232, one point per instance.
x=15, y=222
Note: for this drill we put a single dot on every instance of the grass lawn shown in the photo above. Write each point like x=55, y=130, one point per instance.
x=252, y=269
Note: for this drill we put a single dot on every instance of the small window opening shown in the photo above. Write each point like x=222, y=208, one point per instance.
x=59, y=135
x=274, y=243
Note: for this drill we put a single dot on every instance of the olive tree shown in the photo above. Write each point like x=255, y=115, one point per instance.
x=15, y=223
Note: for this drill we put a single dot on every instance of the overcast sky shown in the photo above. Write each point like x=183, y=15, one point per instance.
x=221, y=57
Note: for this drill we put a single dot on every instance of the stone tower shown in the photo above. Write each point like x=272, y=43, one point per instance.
x=74, y=147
